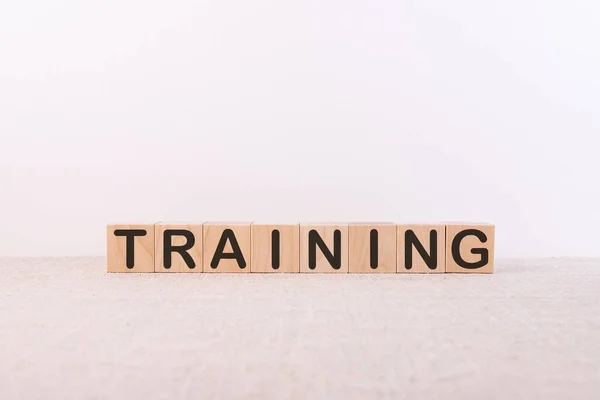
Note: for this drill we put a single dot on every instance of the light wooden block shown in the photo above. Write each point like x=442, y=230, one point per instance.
x=130, y=248
x=372, y=248
x=227, y=247
x=422, y=248
x=275, y=248
x=324, y=248
x=470, y=248
x=178, y=247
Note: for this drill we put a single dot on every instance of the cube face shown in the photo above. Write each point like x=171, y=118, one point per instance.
x=470, y=248
x=372, y=248
x=227, y=247
x=324, y=248
x=422, y=248
x=275, y=248
x=130, y=248
x=178, y=247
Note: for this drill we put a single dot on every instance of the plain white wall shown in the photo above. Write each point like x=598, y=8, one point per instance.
x=131, y=110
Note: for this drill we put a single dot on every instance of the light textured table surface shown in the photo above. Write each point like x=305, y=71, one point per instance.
x=68, y=330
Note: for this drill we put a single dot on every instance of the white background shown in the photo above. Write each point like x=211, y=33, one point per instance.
x=131, y=110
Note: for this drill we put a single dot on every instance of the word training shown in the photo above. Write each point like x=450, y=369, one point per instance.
x=301, y=248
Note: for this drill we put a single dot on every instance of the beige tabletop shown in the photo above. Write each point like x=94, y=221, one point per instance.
x=68, y=330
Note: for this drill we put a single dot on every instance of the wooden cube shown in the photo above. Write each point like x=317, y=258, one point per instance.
x=324, y=248
x=275, y=248
x=178, y=247
x=130, y=248
x=470, y=248
x=422, y=248
x=372, y=247
x=227, y=247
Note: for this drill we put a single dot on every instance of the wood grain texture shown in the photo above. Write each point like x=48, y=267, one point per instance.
x=288, y=250
x=143, y=249
x=474, y=243
x=178, y=263
x=415, y=263
x=326, y=231
x=360, y=258
x=214, y=233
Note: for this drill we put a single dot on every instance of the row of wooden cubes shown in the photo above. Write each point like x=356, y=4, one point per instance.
x=292, y=248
